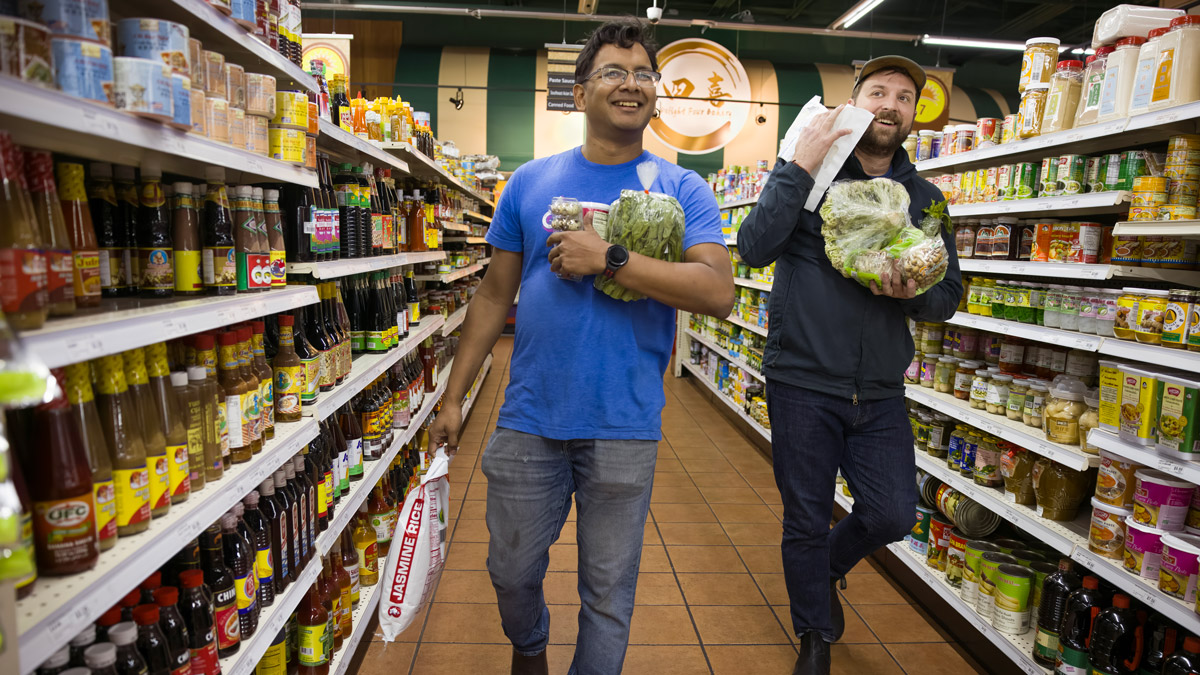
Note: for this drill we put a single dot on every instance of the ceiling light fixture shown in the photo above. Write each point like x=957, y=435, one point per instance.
x=858, y=11
x=1079, y=51
x=943, y=41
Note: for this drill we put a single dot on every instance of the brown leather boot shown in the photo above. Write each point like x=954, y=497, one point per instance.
x=529, y=665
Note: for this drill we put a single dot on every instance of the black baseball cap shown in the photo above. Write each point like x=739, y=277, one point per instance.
x=916, y=72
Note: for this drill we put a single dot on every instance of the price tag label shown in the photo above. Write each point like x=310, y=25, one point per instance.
x=81, y=349
x=99, y=123
x=225, y=317
x=188, y=530
x=1173, y=468
x=70, y=621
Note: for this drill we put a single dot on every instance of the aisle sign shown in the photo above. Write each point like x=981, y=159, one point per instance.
x=560, y=76
x=332, y=49
x=709, y=94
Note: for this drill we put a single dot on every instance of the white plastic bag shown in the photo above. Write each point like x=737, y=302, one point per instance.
x=855, y=119
x=418, y=551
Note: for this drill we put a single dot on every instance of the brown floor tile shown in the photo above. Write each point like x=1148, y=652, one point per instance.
x=476, y=491
x=567, y=534
x=564, y=624
x=665, y=625
x=664, y=660
x=682, y=513
x=759, y=478
x=654, y=559
x=748, y=460
x=751, y=659
x=723, y=479
x=744, y=513
x=470, y=531
x=856, y=630
x=703, y=451
x=705, y=559
x=774, y=587
x=930, y=659
x=777, y=509
x=473, y=510
x=447, y=659
x=707, y=465
x=671, y=465
x=858, y=659
x=383, y=658
x=664, y=480
x=720, y=589
x=864, y=566
x=693, y=534
x=564, y=558
x=740, y=625
x=769, y=495
x=462, y=586
x=755, y=534
x=676, y=495
x=658, y=589
x=650, y=535
x=730, y=495
x=467, y=556
x=898, y=623
x=464, y=623
x=560, y=588
x=871, y=589
x=762, y=558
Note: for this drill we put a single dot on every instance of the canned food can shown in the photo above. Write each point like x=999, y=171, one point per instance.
x=1126, y=249
x=918, y=538
x=1140, y=213
x=257, y=137
x=216, y=118
x=291, y=110
x=981, y=186
x=237, y=127
x=1011, y=608
x=1150, y=184
x=143, y=87
x=1049, y=178
x=1184, y=142
x=1182, y=171
x=989, y=570
x=1177, y=212
x=988, y=131
x=1182, y=191
x=1008, y=128
x=1091, y=237
x=260, y=94
x=1072, y=172
x=26, y=52
x=287, y=144
x=87, y=19
x=215, y=83
x=1133, y=165
x=83, y=68
x=1111, y=171
x=235, y=85
x=156, y=39
x=181, y=90
x=1005, y=189
x=199, y=117
x=1183, y=157
x=196, y=63
x=1025, y=180
x=1092, y=182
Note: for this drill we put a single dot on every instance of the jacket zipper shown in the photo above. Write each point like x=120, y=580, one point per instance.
x=855, y=398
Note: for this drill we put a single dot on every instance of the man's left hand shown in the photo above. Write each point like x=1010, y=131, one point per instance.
x=580, y=253
x=891, y=285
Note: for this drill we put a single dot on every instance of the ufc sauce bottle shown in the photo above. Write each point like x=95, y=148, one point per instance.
x=218, y=258
x=64, y=512
x=129, y=659
x=190, y=407
x=240, y=561
x=78, y=386
x=212, y=422
x=47, y=211
x=266, y=379
x=174, y=630
x=85, y=250
x=264, y=561
x=23, y=296
x=166, y=407
x=156, y=254
x=151, y=643
x=313, y=624
x=288, y=372
x=151, y=430
x=127, y=453
x=235, y=397
x=185, y=236
x=224, y=591
x=200, y=620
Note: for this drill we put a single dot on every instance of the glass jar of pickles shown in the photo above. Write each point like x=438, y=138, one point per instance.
x=1090, y=419
x=1016, y=399
x=931, y=335
x=967, y=345
x=987, y=462
x=921, y=431
x=963, y=375
x=943, y=376
x=1063, y=410
x=1035, y=400
x=940, y=427
x=997, y=394
x=954, y=451
x=1037, y=300
x=979, y=389
x=1151, y=308
x=928, y=369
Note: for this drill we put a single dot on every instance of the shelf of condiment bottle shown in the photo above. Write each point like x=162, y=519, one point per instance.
x=455, y=227
x=477, y=217
x=425, y=167
x=753, y=328
x=750, y=283
x=1056, y=270
x=702, y=377
x=333, y=269
x=1145, y=455
x=52, y=120
x=367, y=367
x=724, y=353
x=1017, y=648
x=118, y=325
x=368, y=601
x=1089, y=203
x=1030, y=438
x=1143, y=590
x=454, y=320
x=347, y=147
x=1166, y=228
x=451, y=276
x=1155, y=354
x=60, y=607
x=270, y=622
x=1029, y=331
x=464, y=240
x=1062, y=537
x=741, y=202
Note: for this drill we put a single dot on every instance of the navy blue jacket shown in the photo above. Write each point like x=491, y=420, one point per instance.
x=829, y=333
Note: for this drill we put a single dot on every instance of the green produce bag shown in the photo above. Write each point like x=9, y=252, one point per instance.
x=643, y=222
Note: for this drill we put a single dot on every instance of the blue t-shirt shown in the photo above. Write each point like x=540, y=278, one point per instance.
x=586, y=366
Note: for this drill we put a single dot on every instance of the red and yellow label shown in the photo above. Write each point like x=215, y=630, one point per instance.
x=132, y=488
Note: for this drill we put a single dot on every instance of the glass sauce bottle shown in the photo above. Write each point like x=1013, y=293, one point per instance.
x=78, y=387
x=171, y=419
x=85, y=249
x=47, y=211
x=153, y=436
x=127, y=453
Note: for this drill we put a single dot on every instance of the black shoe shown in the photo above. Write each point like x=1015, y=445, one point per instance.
x=836, y=618
x=814, y=655
x=536, y=665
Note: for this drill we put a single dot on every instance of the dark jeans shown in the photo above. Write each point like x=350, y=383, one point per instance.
x=812, y=436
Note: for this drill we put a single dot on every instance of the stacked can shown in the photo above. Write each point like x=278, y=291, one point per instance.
x=1149, y=194
x=1182, y=173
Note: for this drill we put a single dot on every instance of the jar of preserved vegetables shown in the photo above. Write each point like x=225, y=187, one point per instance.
x=954, y=452
x=997, y=394
x=943, y=377
x=1035, y=401
x=963, y=376
x=979, y=389
x=1016, y=399
x=928, y=368
x=987, y=462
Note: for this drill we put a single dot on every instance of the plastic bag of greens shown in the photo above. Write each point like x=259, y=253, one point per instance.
x=647, y=223
x=868, y=231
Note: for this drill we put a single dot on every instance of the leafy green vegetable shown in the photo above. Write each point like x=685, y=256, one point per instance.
x=647, y=223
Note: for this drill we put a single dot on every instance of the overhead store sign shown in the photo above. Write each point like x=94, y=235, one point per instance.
x=933, y=108
x=332, y=49
x=709, y=92
x=560, y=77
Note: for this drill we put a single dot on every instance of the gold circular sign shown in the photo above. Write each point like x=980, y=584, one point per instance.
x=335, y=63
x=708, y=94
x=932, y=103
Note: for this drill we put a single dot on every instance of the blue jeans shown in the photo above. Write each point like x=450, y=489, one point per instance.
x=812, y=436
x=530, y=483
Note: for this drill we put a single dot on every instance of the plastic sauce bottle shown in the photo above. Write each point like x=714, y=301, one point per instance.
x=200, y=620
x=79, y=644
x=1083, y=604
x=101, y=658
x=151, y=642
x=1163, y=637
x=218, y=256
x=1176, y=80
x=212, y=420
x=151, y=430
x=1093, y=86
x=288, y=373
x=191, y=410
x=240, y=560
x=78, y=218
x=1143, y=81
x=1120, y=71
x=264, y=562
x=129, y=659
x=78, y=388
x=350, y=562
x=174, y=629
x=1185, y=661
x=366, y=547
x=235, y=397
x=266, y=379
x=118, y=417
x=47, y=211
x=56, y=664
x=343, y=583
x=273, y=515
x=251, y=404
x=1117, y=641
x=116, y=257
x=185, y=237
x=224, y=592
x=313, y=624
x=172, y=420
x=1055, y=590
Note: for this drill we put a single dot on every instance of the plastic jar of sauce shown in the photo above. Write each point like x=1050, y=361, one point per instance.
x=1143, y=80
x=1127, y=312
x=964, y=138
x=1069, y=309
x=1088, y=299
x=1177, y=80
x=1038, y=62
x=963, y=376
x=1093, y=85
x=979, y=389
x=1106, y=311
x=1119, y=73
x=997, y=394
x=1151, y=309
x=1063, y=100
x=1053, y=301
x=1033, y=108
x=1175, y=318
x=943, y=376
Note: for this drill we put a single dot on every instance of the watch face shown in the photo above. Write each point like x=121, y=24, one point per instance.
x=617, y=256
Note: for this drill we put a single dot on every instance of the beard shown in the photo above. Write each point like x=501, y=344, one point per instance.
x=885, y=140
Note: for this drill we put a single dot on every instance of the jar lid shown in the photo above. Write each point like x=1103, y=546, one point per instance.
x=965, y=127
x=1038, y=386
x=1115, y=510
x=1069, y=388
x=1105, y=51
x=1188, y=543
x=948, y=359
x=1185, y=20
x=1131, y=40
x=1068, y=64
x=972, y=364
x=1157, y=293
x=1001, y=378
x=1092, y=398
x=1090, y=59
x=1159, y=32
x=925, y=132
x=1156, y=476
x=983, y=373
x=931, y=355
x=1046, y=40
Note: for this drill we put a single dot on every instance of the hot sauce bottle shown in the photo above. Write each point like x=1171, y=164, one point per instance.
x=152, y=433
x=199, y=616
x=131, y=477
x=85, y=250
x=224, y=591
x=23, y=296
x=60, y=266
x=171, y=419
x=78, y=386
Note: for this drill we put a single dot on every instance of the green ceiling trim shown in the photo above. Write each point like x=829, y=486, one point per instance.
x=419, y=65
x=510, y=118
x=709, y=162
x=797, y=84
x=985, y=105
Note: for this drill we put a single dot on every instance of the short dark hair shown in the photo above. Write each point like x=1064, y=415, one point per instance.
x=882, y=71
x=625, y=33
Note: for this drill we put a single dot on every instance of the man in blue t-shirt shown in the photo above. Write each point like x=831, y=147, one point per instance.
x=582, y=412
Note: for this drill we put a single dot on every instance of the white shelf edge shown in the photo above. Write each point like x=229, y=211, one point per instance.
x=1062, y=338
x=432, y=167
x=699, y=374
x=128, y=564
x=737, y=321
x=473, y=215
x=1144, y=590
x=999, y=425
x=1091, y=202
x=333, y=269
x=454, y=320
x=724, y=353
x=338, y=141
x=1158, y=355
x=1168, y=228
x=451, y=276
x=1038, y=143
x=1146, y=456
x=271, y=622
x=368, y=600
x=750, y=283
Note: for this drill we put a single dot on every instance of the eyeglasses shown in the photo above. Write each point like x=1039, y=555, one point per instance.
x=614, y=76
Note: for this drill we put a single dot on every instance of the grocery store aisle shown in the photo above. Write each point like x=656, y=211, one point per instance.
x=711, y=595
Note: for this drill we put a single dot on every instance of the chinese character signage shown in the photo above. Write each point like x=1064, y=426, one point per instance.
x=703, y=96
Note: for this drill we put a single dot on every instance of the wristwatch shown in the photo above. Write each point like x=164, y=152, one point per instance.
x=615, y=259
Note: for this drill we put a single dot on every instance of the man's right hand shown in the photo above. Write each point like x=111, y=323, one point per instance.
x=445, y=428
x=817, y=138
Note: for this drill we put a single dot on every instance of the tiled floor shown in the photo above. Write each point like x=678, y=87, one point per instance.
x=711, y=596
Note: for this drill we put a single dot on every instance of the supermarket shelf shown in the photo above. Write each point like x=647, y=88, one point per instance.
x=455, y=227
x=341, y=268
x=1061, y=537
x=762, y=431
x=750, y=283
x=1016, y=647
x=841, y=499
x=1167, y=228
x=1091, y=203
x=1161, y=356
x=52, y=120
x=424, y=167
x=484, y=262
x=61, y=606
x=1144, y=590
x=746, y=324
x=1062, y=338
x=452, y=276
x=1077, y=270
x=724, y=353
x=347, y=147
x=1188, y=112
x=1146, y=456
x=464, y=240
x=477, y=217
x=454, y=320
x=739, y=203
x=1002, y=427
x=368, y=600
x=367, y=367
x=124, y=324
x=270, y=622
